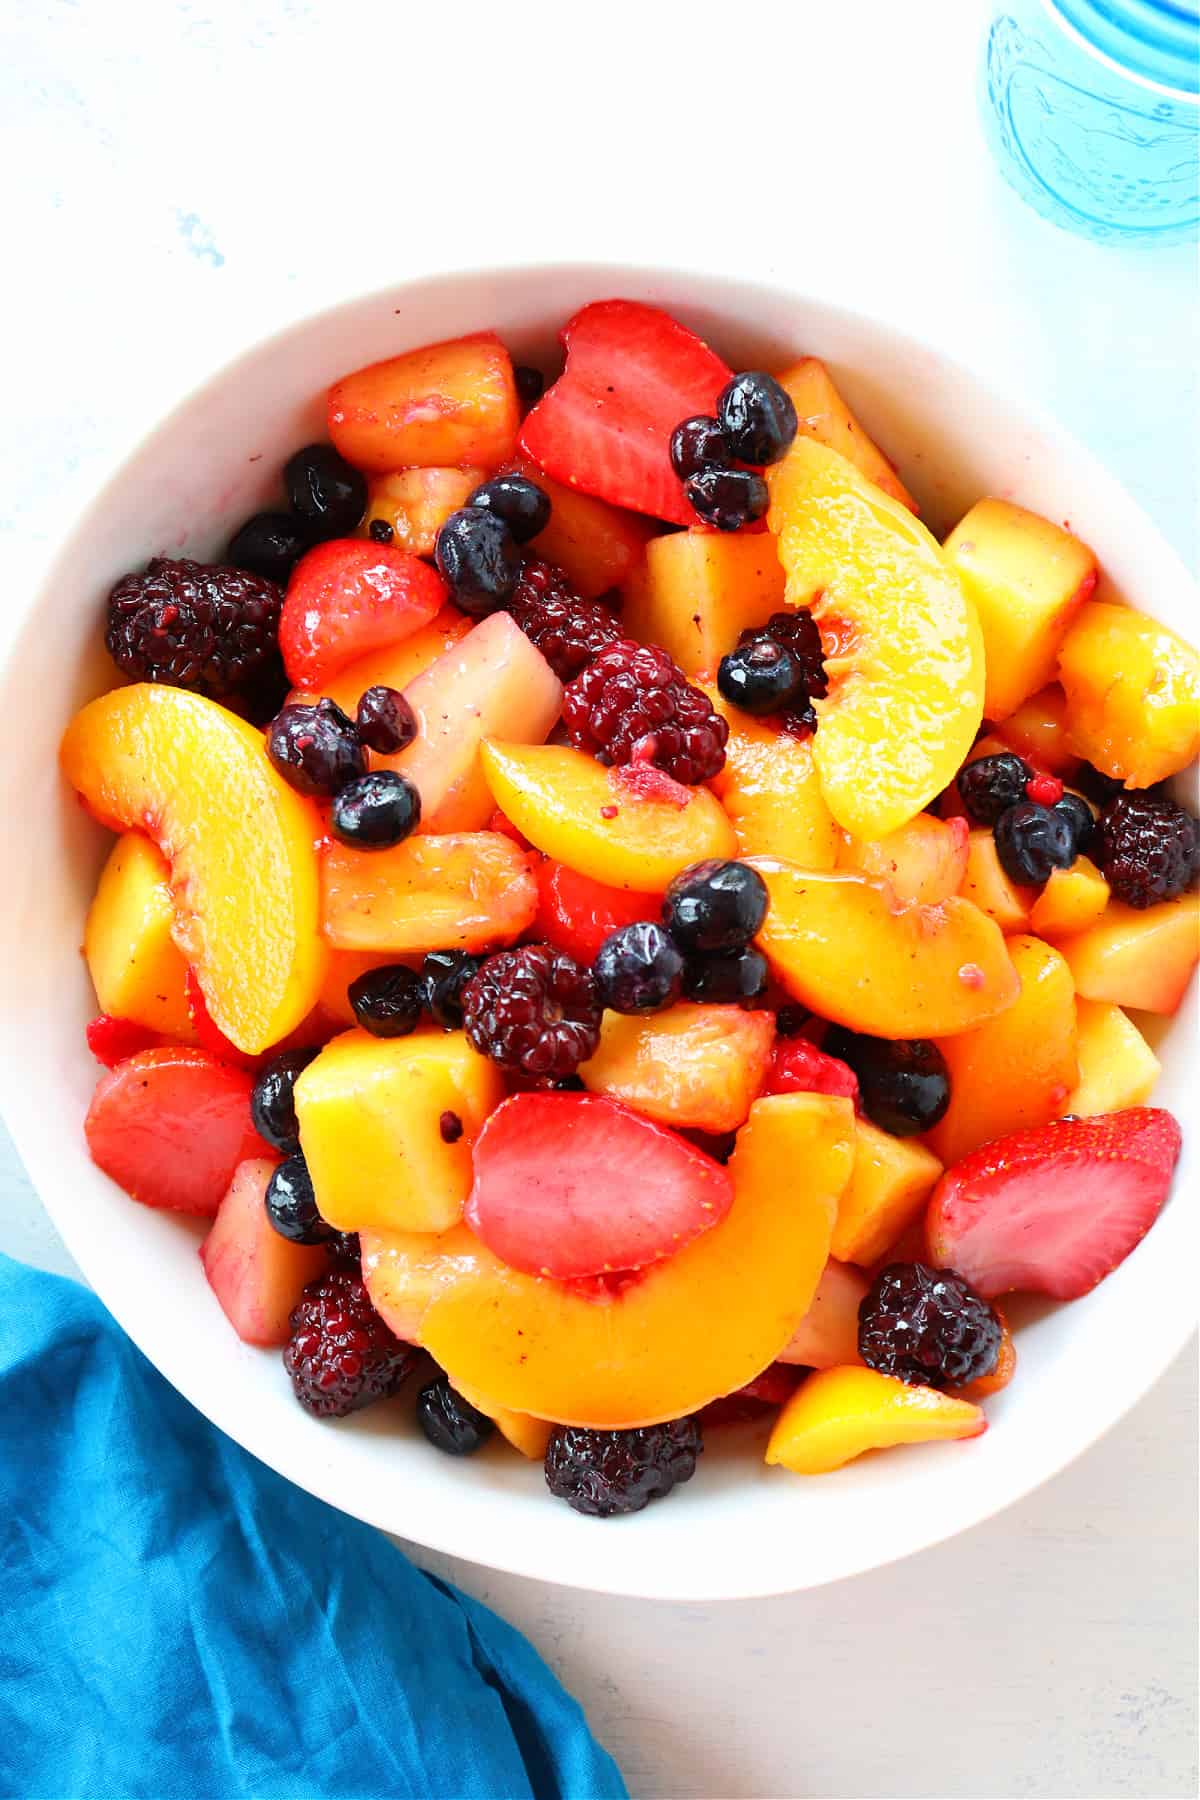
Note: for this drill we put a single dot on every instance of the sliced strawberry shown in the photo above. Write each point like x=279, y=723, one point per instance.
x=772, y=1389
x=348, y=597
x=1055, y=1209
x=257, y=1276
x=633, y=374
x=171, y=1125
x=576, y=914
x=827, y=1335
x=111, y=1040
x=798, y=1067
x=577, y=1184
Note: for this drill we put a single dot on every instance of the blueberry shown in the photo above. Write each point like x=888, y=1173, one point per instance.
x=761, y=677
x=991, y=784
x=386, y=722
x=638, y=969
x=715, y=906
x=697, y=444
x=727, y=498
x=904, y=1082
x=1032, y=841
x=530, y=385
x=521, y=503
x=758, y=419
x=292, y=1204
x=273, y=1100
x=1078, y=814
x=387, y=1002
x=270, y=544
x=316, y=748
x=449, y=1422
x=732, y=980
x=380, y=532
x=477, y=554
x=324, y=489
x=376, y=811
x=791, y=1019
x=445, y=974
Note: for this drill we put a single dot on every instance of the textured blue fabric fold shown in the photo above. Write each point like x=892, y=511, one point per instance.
x=179, y=1623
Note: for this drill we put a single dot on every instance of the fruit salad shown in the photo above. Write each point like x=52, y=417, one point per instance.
x=618, y=932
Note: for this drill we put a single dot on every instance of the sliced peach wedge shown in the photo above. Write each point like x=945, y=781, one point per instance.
x=838, y=1414
x=239, y=840
x=903, y=648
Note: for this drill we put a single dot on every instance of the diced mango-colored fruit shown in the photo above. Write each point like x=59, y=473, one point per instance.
x=697, y=1067
x=985, y=883
x=1006, y=1367
x=467, y=891
x=238, y=839
x=442, y=406
x=1016, y=1070
x=840, y=944
x=698, y=589
x=1038, y=732
x=823, y=414
x=827, y=1335
x=136, y=970
x=1071, y=900
x=1117, y=1067
x=583, y=815
x=597, y=546
x=903, y=649
x=415, y=504
x=398, y=664
x=890, y=1183
x=1027, y=578
x=771, y=791
x=370, y=1112
x=837, y=1414
x=683, y=1332
x=1139, y=959
x=922, y=862
x=1133, y=694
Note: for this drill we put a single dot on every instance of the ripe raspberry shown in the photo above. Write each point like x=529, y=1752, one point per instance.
x=1149, y=848
x=928, y=1327
x=202, y=626
x=605, y=1472
x=568, y=630
x=797, y=632
x=633, y=704
x=341, y=1355
x=534, y=1011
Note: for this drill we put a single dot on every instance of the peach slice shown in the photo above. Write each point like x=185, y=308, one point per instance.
x=136, y=969
x=597, y=546
x=824, y=415
x=256, y=1275
x=239, y=841
x=890, y=1183
x=1027, y=578
x=397, y=664
x=903, y=649
x=1071, y=900
x=827, y=1335
x=841, y=945
x=1139, y=959
x=699, y=1325
x=988, y=887
x=1038, y=732
x=698, y=589
x=466, y=891
x=587, y=817
x=924, y=861
x=444, y=405
x=837, y=1414
x=694, y=1067
x=415, y=504
x=771, y=791
x=1017, y=1069
x=1133, y=694
x=1117, y=1067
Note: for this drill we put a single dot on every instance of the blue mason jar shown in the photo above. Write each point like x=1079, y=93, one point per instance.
x=1092, y=110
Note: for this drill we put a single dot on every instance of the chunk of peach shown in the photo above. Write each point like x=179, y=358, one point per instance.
x=1005, y=1368
x=415, y=504
x=841, y=945
x=597, y=546
x=1117, y=1067
x=697, y=589
x=470, y=890
x=1016, y=1070
x=396, y=665
x=136, y=969
x=583, y=815
x=891, y=1180
x=1133, y=694
x=770, y=789
x=1027, y=578
x=1139, y=959
x=988, y=887
x=694, y=1067
x=823, y=414
x=1037, y=730
x=1071, y=900
x=451, y=404
x=827, y=1335
x=923, y=862
x=837, y=1414
x=256, y=1275
x=238, y=839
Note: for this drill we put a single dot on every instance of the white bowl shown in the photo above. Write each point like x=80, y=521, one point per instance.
x=739, y=1529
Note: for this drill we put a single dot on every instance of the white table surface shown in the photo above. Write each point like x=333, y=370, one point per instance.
x=180, y=177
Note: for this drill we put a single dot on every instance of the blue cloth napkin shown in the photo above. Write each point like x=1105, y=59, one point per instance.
x=176, y=1621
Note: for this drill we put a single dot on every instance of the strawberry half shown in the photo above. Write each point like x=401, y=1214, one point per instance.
x=1055, y=1209
x=111, y=1040
x=171, y=1125
x=798, y=1067
x=572, y=1185
x=576, y=914
x=350, y=596
x=633, y=374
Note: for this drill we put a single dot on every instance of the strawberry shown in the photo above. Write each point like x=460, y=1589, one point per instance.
x=576, y=914
x=772, y=1389
x=1055, y=1209
x=171, y=1125
x=798, y=1067
x=347, y=597
x=633, y=374
x=111, y=1040
x=209, y=1035
x=257, y=1276
x=573, y=1185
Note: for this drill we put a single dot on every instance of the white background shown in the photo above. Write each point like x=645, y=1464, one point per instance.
x=179, y=178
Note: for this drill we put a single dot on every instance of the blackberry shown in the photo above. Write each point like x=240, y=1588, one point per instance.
x=344, y=1250
x=292, y=1204
x=202, y=626
x=385, y=721
x=340, y=1354
x=325, y=490
x=1032, y=841
x=927, y=1327
x=533, y=1010
x=451, y=1423
x=715, y=906
x=375, y=811
x=387, y=1002
x=445, y=973
x=1149, y=848
x=633, y=703
x=273, y=1100
x=904, y=1083
x=758, y=417
x=727, y=498
x=270, y=544
x=791, y=1019
x=606, y=1472
x=568, y=630
x=734, y=980
x=638, y=969
x=988, y=786
x=521, y=503
x=797, y=633
x=697, y=444
x=478, y=555
x=316, y=748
